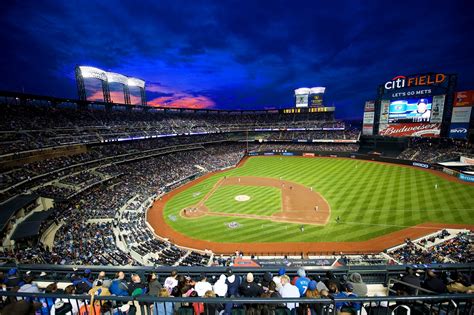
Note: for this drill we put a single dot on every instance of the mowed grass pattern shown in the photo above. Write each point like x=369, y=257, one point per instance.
x=371, y=199
x=263, y=200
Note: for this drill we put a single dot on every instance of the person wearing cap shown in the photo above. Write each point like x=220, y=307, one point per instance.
x=360, y=288
x=289, y=291
x=277, y=279
x=312, y=293
x=202, y=286
x=13, y=279
x=302, y=281
x=421, y=113
x=347, y=307
x=233, y=283
x=267, y=278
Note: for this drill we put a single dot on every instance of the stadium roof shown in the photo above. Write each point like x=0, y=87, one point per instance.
x=9, y=208
x=31, y=226
x=453, y=164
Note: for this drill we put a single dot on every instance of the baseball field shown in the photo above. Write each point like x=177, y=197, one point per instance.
x=312, y=200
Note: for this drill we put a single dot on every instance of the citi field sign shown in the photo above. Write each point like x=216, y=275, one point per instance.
x=401, y=81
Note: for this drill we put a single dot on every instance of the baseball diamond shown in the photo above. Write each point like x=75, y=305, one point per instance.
x=378, y=204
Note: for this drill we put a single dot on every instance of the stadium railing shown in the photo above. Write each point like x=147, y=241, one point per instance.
x=426, y=304
x=370, y=274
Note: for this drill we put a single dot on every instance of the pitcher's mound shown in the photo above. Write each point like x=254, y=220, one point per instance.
x=242, y=198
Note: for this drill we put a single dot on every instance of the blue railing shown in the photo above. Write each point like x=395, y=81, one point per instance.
x=440, y=304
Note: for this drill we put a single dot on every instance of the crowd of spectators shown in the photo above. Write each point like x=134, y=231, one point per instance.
x=351, y=134
x=422, y=281
x=35, y=127
x=436, y=150
x=453, y=250
x=228, y=284
x=86, y=234
x=326, y=147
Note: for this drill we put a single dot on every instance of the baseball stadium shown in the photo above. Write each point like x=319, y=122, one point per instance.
x=208, y=172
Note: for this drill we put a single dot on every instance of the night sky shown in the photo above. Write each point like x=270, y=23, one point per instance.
x=236, y=54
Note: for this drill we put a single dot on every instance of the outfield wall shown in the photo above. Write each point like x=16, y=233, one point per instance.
x=368, y=157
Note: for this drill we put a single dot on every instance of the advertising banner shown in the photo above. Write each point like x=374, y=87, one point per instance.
x=368, y=118
x=384, y=110
x=301, y=100
x=411, y=130
x=464, y=98
x=437, y=108
x=368, y=130
x=316, y=100
x=369, y=106
x=458, y=130
x=467, y=178
x=461, y=114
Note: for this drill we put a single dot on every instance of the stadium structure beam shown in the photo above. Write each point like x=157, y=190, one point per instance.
x=81, y=90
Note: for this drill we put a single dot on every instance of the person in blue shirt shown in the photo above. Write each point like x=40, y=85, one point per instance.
x=347, y=307
x=302, y=281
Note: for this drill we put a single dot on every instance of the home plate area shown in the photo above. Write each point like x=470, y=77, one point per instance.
x=242, y=198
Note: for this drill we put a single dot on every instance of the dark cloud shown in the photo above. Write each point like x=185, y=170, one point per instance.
x=236, y=54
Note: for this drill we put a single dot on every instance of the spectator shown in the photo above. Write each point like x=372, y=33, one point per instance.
x=412, y=279
x=289, y=291
x=136, y=287
x=249, y=288
x=163, y=308
x=119, y=286
x=360, y=288
x=154, y=286
x=433, y=283
x=171, y=281
x=203, y=285
x=29, y=286
x=347, y=307
x=13, y=279
x=83, y=284
x=302, y=281
x=220, y=287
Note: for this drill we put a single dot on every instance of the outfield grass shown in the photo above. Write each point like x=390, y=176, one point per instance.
x=371, y=199
x=263, y=200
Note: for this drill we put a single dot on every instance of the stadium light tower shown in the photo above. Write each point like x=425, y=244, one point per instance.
x=119, y=78
x=83, y=72
x=141, y=85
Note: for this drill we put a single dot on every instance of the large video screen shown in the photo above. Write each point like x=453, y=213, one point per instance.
x=410, y=110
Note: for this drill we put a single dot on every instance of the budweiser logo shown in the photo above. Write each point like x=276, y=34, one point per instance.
x=408, y=128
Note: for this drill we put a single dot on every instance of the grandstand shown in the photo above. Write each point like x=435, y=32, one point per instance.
x=77, y=182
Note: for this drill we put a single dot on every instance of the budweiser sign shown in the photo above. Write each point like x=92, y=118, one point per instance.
x=411, y=130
